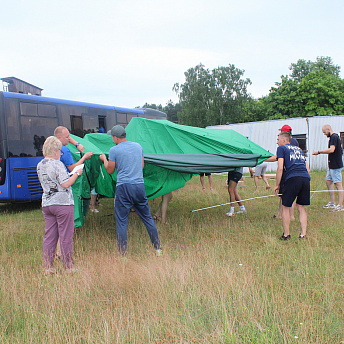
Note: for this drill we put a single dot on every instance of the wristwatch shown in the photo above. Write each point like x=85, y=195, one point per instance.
x=77, y=144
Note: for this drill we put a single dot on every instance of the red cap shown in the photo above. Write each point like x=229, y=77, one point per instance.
x=286, y=127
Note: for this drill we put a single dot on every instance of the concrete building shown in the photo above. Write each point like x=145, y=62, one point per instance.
x=307, y=130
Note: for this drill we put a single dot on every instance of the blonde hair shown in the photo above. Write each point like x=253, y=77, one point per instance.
x=51, y=145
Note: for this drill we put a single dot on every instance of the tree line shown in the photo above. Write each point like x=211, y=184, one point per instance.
x=220, y=96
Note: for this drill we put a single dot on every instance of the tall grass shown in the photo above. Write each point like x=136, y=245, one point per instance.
x=220, y=280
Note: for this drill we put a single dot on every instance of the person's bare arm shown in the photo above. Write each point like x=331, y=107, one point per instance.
x=79, y=147
x=325, y=151
x=86, y=156
x=109, y=165
x=308, y=169
x=279, y=174
x=72, y=179
x=272, y=158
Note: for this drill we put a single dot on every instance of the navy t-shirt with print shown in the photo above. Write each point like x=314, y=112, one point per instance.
x=294, y=161
x=335, y=159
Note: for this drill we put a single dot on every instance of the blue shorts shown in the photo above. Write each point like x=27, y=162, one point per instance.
x=335, y=175
x=296, y=187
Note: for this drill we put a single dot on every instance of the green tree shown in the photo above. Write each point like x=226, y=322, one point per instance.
x=255, y=110
x=319, y=93
x=172, y=109
x=302, y=68
x=212, y=97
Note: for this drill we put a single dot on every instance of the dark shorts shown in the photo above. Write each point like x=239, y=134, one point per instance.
x=235, y=176
x=296, y=188
x=207, y=174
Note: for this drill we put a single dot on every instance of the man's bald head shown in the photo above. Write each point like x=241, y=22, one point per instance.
x=327, y=130
x=62, y=133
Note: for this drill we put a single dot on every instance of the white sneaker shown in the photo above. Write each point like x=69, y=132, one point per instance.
x=241, y=211
x=94, y=210
x=230, y=213
x=338, y=208
x=329, y=205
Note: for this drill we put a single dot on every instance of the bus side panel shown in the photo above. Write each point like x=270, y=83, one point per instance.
x=5, y=188
x=25, y=184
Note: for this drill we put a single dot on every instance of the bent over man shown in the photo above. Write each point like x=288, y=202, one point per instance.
x=297, y=182
x=127, y=158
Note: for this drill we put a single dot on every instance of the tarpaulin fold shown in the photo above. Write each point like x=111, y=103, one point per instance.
x=197, y=163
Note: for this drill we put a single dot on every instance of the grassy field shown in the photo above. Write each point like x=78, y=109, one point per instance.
x=220, y=280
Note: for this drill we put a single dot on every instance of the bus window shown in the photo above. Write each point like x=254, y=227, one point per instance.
x=13, y=130
x=90, y=123
x=65, y=113
x=121, y=118
x=28, y=109
x=110, y=118
x=76, y=126
x=46, y=110
x=34, y=132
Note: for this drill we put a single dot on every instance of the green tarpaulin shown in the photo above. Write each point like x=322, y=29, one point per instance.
x=173, y=153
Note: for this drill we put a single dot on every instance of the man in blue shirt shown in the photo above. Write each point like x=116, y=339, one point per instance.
x=335, y=166
x=62, y=134
x=127, y=158
x=292, y=160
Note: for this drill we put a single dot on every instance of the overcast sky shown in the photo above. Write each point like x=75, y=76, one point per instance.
x=128, y=52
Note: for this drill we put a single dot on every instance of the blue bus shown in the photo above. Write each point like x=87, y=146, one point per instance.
x=27, y=120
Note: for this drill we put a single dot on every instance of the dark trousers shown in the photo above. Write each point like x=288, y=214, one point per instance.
x=127, y=196
x=59, y=223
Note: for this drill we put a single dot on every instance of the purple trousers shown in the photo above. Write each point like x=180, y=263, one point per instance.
x=59, y=223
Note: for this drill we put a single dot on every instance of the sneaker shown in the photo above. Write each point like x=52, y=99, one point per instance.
x=50, y=271
x=329, y=205
x=338, y=208
x=230, y=213
x=94, y=210
x=302, y=237
x=158, y=252
x=285, y=237
x=241, y=211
